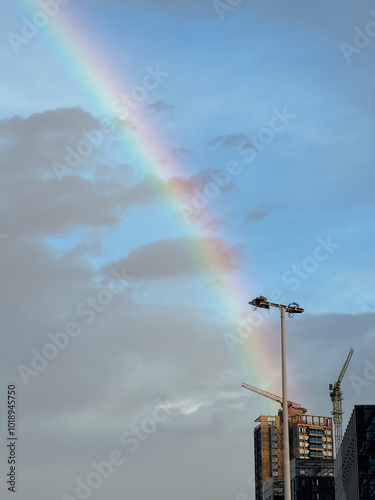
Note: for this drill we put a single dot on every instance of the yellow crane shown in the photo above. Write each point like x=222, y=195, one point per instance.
x=336, y=398
x=269, y=395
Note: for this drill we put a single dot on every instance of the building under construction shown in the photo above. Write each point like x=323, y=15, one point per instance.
x=311, y=437
x=311, y=448
x=311, y=454
x=268, y=452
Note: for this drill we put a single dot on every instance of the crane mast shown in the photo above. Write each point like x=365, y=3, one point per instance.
x=336, y=398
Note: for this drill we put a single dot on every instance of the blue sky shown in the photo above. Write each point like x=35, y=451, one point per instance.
x=271, y=126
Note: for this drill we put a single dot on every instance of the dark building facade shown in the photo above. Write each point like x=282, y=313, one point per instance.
x=355, y=460
x=312, y=479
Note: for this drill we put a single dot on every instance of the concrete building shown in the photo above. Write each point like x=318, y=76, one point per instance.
x=311, y=437
x=310, y=442
x=268, y=452
x=355, y=459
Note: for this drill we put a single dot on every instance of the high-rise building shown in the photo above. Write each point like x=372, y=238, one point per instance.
x=355, y=459
x=268, y=452
x=310, y=443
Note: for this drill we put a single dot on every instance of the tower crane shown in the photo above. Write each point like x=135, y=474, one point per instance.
x=336, y=398
x=291, y=404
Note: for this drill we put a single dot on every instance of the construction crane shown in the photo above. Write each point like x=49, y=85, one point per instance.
x=291, y=404
x=336, y=398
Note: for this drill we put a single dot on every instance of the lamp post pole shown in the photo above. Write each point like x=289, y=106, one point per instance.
x=291, y=309
x=287, y=491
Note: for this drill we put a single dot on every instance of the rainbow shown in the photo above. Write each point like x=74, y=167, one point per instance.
x=79, y=52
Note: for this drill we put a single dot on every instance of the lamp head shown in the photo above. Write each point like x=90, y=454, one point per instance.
x=260, y=302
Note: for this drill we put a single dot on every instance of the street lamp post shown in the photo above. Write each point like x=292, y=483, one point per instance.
x=291, y=309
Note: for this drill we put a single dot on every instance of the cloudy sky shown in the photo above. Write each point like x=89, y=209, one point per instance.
x=163, y=162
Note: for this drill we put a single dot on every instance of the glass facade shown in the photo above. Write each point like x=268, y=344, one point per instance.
x=355, y=461
x=365, y=420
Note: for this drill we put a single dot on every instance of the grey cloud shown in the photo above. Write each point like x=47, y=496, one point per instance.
x=47, y=123
x=176, y=258
x=230, y=140
x=37, y=203
x=34, y=199
x=48, y=207
x=159, y=106
x=30, y=145
x=257, y=214
x=174, y=155
x=184, y=187
x=122, y=172
x=112, y=376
